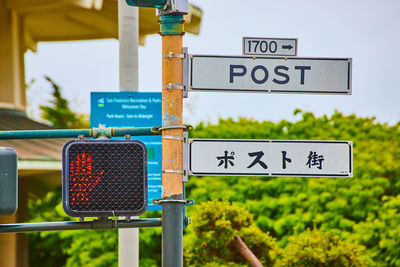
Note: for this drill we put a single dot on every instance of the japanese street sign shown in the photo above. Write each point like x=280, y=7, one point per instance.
x=270, y=158
x=134, y=109
x=269, y=46
x=270, y=74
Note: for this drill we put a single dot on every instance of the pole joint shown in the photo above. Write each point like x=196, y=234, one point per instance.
x=171, y=25
x=102, y=132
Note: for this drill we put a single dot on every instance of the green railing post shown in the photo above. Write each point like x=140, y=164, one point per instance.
x=71, y=133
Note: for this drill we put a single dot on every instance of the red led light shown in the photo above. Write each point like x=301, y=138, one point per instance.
x=81, y=173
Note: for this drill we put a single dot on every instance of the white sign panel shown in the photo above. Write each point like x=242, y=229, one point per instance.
x=270, y=158
x=269, y=46
x=270, y=74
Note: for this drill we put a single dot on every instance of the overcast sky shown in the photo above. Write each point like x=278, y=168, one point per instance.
x=367, y=31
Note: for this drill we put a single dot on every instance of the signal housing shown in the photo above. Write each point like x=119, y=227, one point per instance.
x=103, y=178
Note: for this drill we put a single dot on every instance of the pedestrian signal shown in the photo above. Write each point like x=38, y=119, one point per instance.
x=8, y=181
x=103, y=178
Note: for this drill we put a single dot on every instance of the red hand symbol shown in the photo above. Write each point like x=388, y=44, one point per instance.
x=82, y=180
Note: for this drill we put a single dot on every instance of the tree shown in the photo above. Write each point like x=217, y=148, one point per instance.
x=59, y=114
x=223, y=233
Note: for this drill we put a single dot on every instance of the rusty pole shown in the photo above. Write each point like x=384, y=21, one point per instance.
x=172, y=185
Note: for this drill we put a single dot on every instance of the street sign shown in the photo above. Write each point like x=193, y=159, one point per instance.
x=134, y=109
x=270, y=158
x=270, y=74
x=269, y=46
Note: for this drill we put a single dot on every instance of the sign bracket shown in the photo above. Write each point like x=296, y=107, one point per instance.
x=185, y=161
x=185, y=72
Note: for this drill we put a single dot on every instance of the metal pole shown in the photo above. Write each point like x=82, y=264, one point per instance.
x=94, y=132
x=38, y=134
x=172, y=185
x=128, y=35
x=72, y=225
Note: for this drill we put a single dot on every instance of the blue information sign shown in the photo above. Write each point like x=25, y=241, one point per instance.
x=134, y=109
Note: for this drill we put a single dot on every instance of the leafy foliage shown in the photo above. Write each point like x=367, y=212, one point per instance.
x=92, y=248
x=59, y=114
x=381, y=232
x=83, y=247
x=363, y=210
x=315, y=248
x=47, y=248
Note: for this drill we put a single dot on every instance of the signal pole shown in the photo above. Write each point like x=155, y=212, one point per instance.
x=172, y=185
x=128, y=35
x=171, y=23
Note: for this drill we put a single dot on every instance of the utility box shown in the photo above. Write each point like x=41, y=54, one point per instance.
x=8, y=181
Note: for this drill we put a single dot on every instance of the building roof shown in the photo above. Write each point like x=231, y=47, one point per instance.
x=39, y=160
x=66, y=20
x=29, y=149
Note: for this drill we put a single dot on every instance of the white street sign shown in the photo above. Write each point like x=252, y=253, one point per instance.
x=269, y=46
x=270, y=158
x=270, y=74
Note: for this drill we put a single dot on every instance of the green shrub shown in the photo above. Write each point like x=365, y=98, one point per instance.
x=314, y=248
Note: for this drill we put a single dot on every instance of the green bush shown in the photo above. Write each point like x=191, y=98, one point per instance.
x=314, y=248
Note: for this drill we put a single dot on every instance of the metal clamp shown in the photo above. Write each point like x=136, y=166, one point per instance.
x=158, y=129
x=173, y=137
x=188, y=127
x=171, y=56
x=184, y=127
x=155, y=129
x=187, y=202
x=173, y=171
x=173, y=86
x=115, y=219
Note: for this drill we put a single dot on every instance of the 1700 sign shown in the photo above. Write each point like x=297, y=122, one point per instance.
x=269, y=46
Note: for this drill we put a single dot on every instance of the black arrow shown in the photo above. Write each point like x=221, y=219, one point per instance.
x=287, y=47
